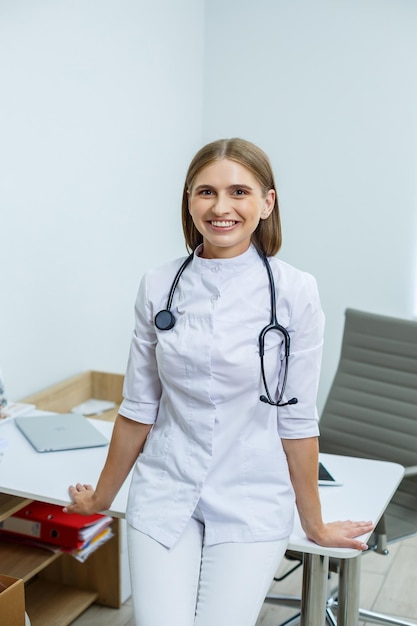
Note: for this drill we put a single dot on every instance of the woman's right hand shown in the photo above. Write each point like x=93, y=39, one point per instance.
x=126, y=444
x=84, y=500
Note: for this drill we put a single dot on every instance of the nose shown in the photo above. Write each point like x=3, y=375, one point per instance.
x=220, y=206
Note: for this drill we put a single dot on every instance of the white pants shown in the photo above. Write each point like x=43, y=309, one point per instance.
x=196, y=585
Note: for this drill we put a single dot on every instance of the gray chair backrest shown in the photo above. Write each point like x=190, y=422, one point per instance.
x=371, y=409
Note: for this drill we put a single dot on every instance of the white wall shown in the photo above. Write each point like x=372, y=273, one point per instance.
x=329, y=89
x=101, y=109
x=98, y=124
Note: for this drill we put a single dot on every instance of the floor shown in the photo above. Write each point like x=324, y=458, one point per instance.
x=388, y=585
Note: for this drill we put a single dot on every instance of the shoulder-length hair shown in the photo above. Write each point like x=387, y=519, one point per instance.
x=267, y=237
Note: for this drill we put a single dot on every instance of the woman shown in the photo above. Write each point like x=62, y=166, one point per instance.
x=223, y=442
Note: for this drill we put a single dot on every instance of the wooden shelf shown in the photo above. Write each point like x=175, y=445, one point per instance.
x=50, y=604
x=24, y=561
x=11, y=504
x=63, y=396
x=100, y=572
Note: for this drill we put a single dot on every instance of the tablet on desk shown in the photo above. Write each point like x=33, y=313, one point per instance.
x=56, y=432
x=326, y=478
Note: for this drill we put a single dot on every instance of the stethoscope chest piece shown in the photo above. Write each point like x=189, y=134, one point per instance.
x=164, y=320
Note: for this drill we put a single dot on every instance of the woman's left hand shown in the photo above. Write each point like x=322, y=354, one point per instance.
x=342, y=534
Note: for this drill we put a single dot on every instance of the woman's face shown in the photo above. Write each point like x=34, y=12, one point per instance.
x=226, y=203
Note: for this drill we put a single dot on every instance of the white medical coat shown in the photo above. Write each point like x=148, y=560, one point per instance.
x=213, y=443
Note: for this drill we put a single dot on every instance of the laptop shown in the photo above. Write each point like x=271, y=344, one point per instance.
x=60, y=431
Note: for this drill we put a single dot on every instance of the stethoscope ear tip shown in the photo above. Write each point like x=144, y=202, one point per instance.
x=267, y=401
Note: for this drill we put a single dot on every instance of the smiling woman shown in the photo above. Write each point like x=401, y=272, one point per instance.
x=226, y=204
x=256, y=177
x=219, y=465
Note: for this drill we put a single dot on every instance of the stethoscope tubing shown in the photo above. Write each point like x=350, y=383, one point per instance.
x=165, y=320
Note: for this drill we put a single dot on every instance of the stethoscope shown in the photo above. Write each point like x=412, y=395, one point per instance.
x=165, y=320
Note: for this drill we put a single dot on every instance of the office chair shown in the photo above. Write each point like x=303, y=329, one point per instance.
x=371, y=412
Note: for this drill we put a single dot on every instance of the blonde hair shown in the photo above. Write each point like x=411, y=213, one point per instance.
x=267, y=237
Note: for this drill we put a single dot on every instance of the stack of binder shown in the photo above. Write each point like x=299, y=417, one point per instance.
x=47, y=524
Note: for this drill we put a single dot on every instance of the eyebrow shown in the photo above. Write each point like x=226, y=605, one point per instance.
x=229, y=188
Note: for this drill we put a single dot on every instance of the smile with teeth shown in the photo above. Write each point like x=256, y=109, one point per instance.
x=223, y=224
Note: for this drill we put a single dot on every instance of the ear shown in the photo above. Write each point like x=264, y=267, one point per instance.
x=188, y=199
x=269, y=204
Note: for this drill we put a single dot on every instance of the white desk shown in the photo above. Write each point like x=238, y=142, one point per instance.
x=367, y=488
x=366, y=491
x=46, y=476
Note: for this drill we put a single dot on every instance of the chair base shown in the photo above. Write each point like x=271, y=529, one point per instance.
x=371, y=617
x=295, y=602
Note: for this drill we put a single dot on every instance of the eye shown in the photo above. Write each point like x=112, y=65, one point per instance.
x=240, y=192
x=205, y=192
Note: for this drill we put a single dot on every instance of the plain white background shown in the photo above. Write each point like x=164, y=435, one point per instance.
x=102, y=107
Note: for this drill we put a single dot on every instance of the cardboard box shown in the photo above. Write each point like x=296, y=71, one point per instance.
x=12, y=601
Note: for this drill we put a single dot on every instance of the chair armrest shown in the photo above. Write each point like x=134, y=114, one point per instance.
x=411, y=471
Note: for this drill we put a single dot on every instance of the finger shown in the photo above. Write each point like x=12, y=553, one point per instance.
x=356, y=524
x=345, y=541
x=357, y=545
x=360, y=528
x=80, y=488
x=353, y=529
x=69, y=508
x=83, y=487
x=74, y=489
x=362, y=524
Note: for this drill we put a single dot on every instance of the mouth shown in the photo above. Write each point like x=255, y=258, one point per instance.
x=223, y=223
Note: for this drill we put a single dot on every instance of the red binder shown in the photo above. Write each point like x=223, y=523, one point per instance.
x=48, y=523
